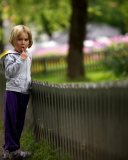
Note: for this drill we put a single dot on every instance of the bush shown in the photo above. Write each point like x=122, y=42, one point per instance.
x=117, y=60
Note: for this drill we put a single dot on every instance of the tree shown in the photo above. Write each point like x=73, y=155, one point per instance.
x=8, y=11
x=75, y=58
x=123, y=10
x=113, y=12
x=52, y=15
x=45, y=16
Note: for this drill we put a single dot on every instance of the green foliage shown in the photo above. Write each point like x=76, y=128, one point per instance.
x=48, y=15
x=53, y=16
x=117, y=61
x=110, y=12
x=123, y=9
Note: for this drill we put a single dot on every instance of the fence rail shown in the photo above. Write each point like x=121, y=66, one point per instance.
x=58, y=64
x=88, y=121
x=92, y=61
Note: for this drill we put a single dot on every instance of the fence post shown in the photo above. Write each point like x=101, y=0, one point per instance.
x=44, y=65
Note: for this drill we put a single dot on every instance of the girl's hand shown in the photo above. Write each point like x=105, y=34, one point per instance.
x=23, y=54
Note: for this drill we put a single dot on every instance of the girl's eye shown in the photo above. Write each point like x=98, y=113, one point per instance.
x=22, y=39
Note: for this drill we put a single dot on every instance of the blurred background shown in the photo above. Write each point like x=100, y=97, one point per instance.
x=75, y=41
x=50, y=21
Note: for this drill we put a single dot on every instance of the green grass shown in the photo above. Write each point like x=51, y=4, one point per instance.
x=41, y=150
x=1, y=127
x=91, y=76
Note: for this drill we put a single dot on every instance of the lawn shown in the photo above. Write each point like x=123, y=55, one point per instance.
x=91, y=76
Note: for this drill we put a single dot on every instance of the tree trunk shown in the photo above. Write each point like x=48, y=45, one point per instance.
x=75, y=57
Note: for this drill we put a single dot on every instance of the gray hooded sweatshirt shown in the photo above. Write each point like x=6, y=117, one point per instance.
x=17, y=71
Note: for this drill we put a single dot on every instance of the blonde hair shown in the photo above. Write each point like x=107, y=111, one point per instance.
x=17, y=31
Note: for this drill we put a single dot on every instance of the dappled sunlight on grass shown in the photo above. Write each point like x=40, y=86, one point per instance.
x=100, y=76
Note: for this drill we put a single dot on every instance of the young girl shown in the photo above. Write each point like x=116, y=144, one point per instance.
x=16, y=63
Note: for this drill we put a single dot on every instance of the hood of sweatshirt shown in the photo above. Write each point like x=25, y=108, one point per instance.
x=2, y=57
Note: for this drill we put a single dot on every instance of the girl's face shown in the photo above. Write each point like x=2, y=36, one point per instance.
x=22, y=42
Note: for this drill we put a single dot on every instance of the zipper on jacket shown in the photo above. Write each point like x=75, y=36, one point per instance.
x=26, y=74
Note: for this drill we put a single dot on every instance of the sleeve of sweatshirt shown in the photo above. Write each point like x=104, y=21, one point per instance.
x=12, y=66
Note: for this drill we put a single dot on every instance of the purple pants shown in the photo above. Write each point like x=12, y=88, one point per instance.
x=15, y=105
